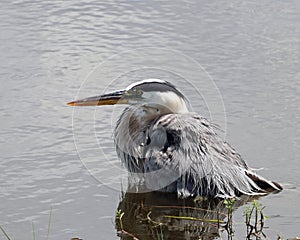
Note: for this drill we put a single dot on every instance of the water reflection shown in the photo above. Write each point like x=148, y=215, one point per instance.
x=156, y=215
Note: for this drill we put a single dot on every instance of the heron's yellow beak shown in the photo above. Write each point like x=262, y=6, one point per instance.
x=117, y=97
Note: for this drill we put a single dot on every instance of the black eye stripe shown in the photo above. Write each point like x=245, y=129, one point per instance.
x=158, y=87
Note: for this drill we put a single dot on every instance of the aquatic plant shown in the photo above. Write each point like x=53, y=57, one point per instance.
x=255, y=220
x=229, y=225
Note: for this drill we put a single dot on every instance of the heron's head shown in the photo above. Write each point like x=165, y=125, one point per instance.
x=153, y=95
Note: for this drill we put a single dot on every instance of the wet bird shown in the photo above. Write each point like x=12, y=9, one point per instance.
x=173, y=149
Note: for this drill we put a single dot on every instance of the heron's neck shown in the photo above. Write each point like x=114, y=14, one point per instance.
x=134, y=121
x=130, y=134
x=167, y=102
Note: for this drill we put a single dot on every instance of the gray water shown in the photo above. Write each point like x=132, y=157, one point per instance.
x=251, y=50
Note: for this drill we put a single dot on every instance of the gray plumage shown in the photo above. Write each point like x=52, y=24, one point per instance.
x=188, y=146
x=187, y=149
x=174, y=150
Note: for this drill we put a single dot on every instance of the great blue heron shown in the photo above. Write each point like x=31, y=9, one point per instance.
x=178, y=151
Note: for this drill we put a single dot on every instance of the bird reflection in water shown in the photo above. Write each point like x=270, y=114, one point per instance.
x=156, y=215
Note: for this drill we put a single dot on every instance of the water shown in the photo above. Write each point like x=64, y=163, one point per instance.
x=249, y=49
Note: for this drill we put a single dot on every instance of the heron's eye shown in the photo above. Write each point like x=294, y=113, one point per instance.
x=139, y=92
x=134, y=93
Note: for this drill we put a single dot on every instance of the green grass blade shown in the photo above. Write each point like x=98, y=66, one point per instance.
x=5, y=234
x=49, y=224
x=33, y=231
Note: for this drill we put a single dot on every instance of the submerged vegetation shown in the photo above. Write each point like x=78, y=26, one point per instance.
x=162, y=222
x=255, y=220
x=204, y=221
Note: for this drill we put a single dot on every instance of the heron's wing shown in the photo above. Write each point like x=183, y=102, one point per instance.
x=185, y=153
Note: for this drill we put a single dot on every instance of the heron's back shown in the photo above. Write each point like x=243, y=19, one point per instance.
x=185, y=154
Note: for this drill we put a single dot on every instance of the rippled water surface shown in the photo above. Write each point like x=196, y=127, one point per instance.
x=48, y=48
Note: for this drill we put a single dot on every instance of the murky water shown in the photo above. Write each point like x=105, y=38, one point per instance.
x=250, y=50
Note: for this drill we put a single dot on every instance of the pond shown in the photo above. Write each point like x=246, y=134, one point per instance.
x=237, y=62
